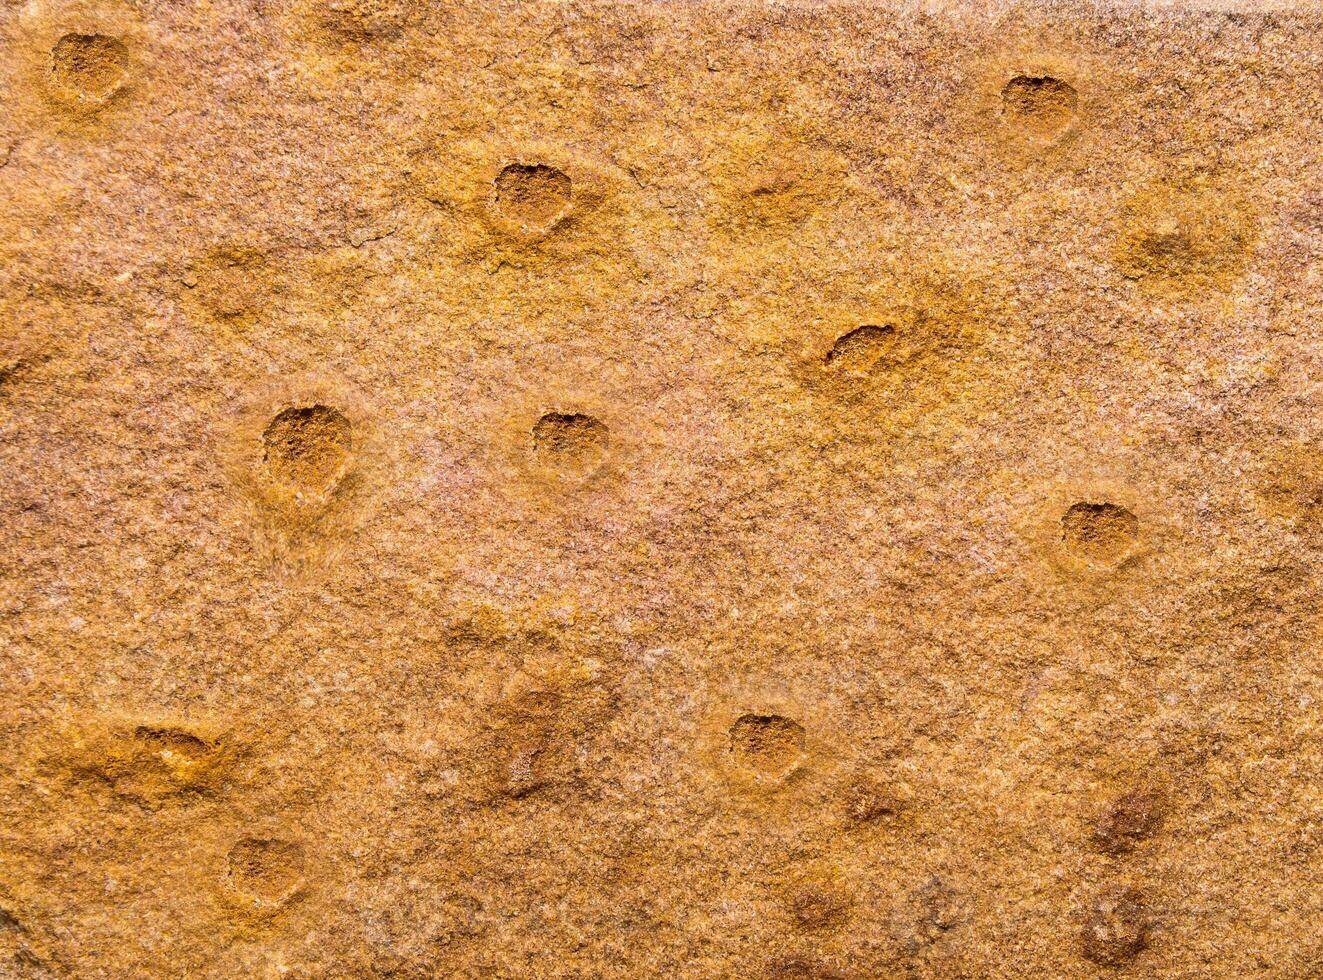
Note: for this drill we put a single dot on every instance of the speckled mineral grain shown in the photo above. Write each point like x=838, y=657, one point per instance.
x=753, y=489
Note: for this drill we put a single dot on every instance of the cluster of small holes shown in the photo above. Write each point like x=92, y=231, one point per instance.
x=308, y=448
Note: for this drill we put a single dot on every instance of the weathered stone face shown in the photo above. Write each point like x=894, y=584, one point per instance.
x=660, y=489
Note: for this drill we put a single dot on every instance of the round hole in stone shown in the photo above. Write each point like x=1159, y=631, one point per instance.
x=307, y=447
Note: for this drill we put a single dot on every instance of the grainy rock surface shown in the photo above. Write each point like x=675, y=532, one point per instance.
x=679, y=489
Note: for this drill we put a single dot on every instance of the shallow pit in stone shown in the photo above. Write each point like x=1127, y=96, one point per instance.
x=767, y=746
x=89, y=67
x=307, y=448
x=1100, y=533
x=1039, y=106
x=535, y=196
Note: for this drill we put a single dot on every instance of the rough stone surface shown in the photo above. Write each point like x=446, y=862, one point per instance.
x=680, y=489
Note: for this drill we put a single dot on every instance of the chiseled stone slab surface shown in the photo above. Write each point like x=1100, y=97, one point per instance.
x=686, y=489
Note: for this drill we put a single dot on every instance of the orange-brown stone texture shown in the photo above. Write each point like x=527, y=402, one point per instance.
x=660, y=489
